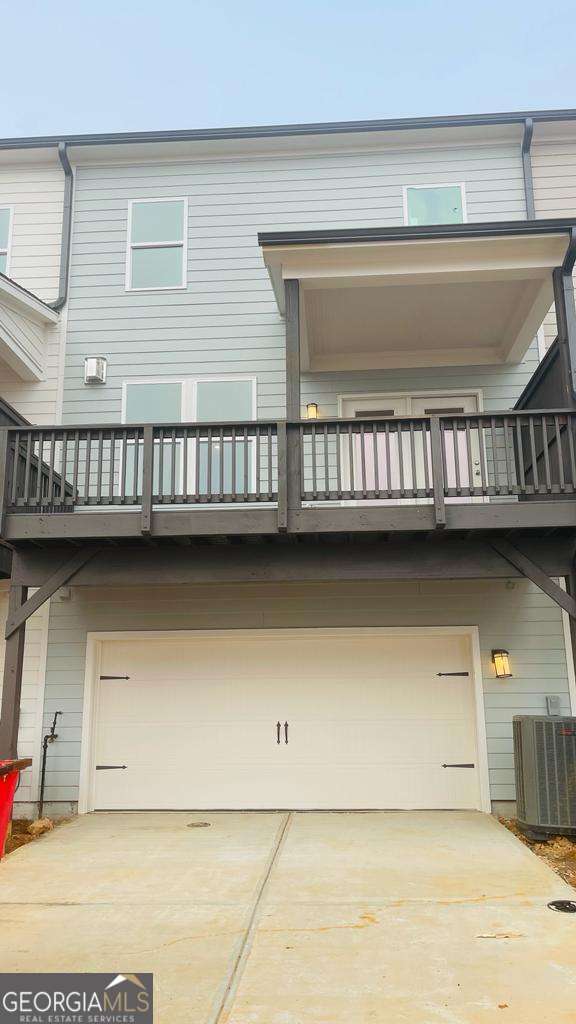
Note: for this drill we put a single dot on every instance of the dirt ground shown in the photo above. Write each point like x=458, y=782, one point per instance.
x=25, y=831
x=559, y=852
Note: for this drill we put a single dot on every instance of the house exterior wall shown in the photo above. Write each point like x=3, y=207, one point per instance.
x=227, y=321
x=32, y=702
x=34, y=190
x=511, y=614
x=554, y=173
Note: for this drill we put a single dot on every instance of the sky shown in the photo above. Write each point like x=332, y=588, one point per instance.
x=111, y=65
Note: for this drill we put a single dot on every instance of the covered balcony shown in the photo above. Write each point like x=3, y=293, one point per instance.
x=460, y=295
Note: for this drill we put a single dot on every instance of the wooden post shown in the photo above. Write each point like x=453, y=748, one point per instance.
x=3, y=474
x=12, y=684
x=293, y=400
x=437, y=456
x=282, y=477
x=292, y=293
x=566, y=322
x=147, y=480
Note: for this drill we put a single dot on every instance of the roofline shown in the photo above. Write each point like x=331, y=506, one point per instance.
x=19, y=293
x=489, y=229
x=278, y=131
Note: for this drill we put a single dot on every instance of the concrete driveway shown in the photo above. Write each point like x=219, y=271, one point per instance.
x=312, y=918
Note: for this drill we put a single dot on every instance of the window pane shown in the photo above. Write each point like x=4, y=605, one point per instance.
x=157, y=268
x=441, y=205
x=158, y=222
x=224, y=400
x=153, y=403
x=4, y=228
x=3, y=263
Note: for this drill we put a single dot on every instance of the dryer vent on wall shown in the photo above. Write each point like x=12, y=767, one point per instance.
x=545, y=767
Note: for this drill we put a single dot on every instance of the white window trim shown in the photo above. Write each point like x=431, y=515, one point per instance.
x=435, y=184
x=8, y=250
x=130, y=245
x=189, y=399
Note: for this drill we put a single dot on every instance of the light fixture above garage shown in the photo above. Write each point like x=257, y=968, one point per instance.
x=312, y=411
x=501, y=662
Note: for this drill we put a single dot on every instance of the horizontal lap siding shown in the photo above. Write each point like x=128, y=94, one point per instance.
x=32, y=692
x=227, y=320
x=516, y=616
x=35, y=192
x=554, y=170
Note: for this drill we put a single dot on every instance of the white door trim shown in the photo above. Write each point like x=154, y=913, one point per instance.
x=94, y=643
x=390, y=396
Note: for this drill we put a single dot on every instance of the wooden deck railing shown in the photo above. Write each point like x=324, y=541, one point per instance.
x=510, y=456
x=481, y=455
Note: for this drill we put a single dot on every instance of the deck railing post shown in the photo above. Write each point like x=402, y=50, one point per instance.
x=294, y=441
x=282, y=457
x=437, y=457
x=147, y=479
x=4, y=472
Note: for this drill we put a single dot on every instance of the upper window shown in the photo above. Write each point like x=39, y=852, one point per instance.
x=434, y=204
x=5, y=225
x=156, y=244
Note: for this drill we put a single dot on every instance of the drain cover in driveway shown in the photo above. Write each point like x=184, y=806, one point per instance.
x=563, y=906
x=199, y=824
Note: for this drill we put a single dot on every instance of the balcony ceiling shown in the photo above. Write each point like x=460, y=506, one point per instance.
x=418, y=301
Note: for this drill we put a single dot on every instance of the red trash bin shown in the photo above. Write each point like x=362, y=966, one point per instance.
x=9, y=775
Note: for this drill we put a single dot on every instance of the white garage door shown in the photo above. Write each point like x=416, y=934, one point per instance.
x=298, y=719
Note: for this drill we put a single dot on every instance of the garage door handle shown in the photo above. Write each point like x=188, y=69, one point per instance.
x=458, y=765
x=109, y=767
x=285, y=732
x=278, y=727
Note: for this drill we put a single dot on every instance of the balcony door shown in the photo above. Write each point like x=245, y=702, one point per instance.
x=402, y=459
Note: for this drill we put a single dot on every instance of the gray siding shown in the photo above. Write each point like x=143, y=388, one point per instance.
x=227, y=320
x=514, y=615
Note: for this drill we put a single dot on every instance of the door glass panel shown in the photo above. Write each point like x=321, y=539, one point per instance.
x=155, y=403
x=461, y=465
x=3, y=262
x=225, y=465
x=436, y=205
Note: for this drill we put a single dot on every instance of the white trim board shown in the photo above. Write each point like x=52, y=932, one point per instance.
x=128, y=287
x=94, y=641
x=390, y=396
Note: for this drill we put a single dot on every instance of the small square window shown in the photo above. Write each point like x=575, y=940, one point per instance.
x=435, y=204
x=157, y=244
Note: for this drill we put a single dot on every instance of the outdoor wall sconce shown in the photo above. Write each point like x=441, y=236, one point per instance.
x=501, y=662
x=95, y=370
x=312, y=411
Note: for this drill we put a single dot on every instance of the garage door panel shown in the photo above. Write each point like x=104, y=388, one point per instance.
x=384, y=743
x=370, y=721
x=353, y=788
